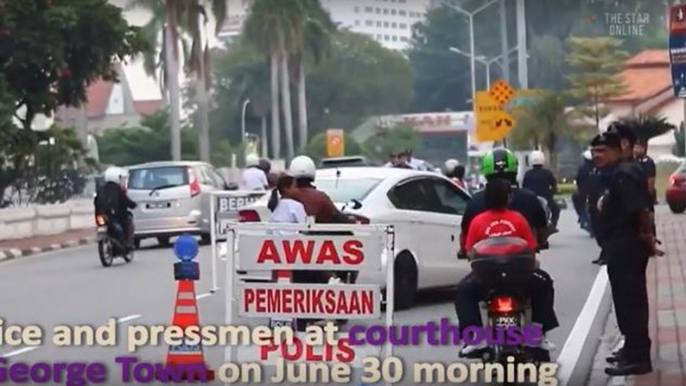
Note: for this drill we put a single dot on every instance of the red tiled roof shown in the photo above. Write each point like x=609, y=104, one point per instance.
x=98, y=95
x=646, y=75
x=147, y=107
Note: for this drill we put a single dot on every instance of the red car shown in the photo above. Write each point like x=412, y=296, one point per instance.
x=676, y=191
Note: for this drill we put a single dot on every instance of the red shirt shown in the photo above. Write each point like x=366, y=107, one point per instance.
x=499, y=223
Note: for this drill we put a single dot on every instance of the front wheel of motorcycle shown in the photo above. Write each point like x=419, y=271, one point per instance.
x=105, y=252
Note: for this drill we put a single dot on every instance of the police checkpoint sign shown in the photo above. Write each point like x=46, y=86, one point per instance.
x=310, y=301
x=322, y=253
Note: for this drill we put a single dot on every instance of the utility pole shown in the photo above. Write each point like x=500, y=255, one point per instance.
x=504, y=44
x=521, y=44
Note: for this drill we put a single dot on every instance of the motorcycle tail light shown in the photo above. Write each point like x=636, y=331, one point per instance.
x=248, y=216
x=100, y=220
x=503, y=304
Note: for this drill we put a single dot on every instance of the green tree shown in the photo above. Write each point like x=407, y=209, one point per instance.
x=649, y=126
x=51, y=51
x=315, y=46
x=358, y=78
x=596, y=64
x=147, y=143
x=185, y=23
x=543, y=123
x=393, y=140
x=276, y=28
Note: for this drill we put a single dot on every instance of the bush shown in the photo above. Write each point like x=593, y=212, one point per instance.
x=565, y=189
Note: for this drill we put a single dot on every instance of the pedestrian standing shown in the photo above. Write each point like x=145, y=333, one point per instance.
x=648, y=165
x=628, y=243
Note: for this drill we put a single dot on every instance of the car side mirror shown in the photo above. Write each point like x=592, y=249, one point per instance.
x=355, y=204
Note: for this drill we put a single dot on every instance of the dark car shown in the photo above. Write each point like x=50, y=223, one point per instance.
x=676, y=191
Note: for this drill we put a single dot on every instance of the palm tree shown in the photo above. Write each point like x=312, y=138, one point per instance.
x=316, y=41
x=275, y=28
x=542, y=123
x=185, y=15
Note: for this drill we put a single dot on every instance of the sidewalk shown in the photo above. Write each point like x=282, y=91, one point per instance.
x=11, y=249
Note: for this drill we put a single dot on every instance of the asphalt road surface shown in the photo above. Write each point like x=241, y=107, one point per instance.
x=71, y=287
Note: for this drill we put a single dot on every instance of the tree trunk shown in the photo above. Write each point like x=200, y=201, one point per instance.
x=173, y=81
x=203, y=113
x=302, y=105
x=263, y=135
x=286, y=98
x=276, y=120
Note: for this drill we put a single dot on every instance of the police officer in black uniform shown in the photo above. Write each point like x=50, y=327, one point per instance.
x=628, y=242
x=648, y=165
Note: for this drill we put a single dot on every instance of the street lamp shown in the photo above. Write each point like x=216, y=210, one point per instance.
x=470, y=16
x=245, y=106
x=486, y=62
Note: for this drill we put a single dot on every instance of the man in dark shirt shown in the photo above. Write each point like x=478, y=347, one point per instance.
x=580, y=196
x=542, y=182
x=112, y=201
x=501, y=163
x=628, y=242
x=648, y=166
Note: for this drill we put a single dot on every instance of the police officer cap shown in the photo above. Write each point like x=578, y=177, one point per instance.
x=623, y=131
x=608, y=139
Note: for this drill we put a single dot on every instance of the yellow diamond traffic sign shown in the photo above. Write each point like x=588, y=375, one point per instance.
x=502, y=92
x=492, y=123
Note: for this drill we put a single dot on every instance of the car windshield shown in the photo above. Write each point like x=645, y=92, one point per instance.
x=159, y=177
x=344, y=190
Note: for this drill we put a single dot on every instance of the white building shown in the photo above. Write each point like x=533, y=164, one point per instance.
x=387, y=21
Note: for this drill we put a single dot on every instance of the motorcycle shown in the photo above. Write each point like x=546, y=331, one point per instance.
x=505, y=263
x=111, y=241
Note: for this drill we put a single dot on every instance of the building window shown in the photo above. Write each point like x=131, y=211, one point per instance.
x=369, y=23
x=379, y=37
x=402, y=13
x=386, y=38
x=357, y=9
x=369, y=9
x=357, y=22
x=378, y=11
x=394, y=25
x=403, y=25
x=378, y=23
x=393, y=11
x=404, y=38
x=401, y=1
x=395, y=38
x=385, y=24
x=385, y=11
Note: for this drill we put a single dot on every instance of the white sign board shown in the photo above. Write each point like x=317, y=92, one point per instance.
x=309, y=301
x=234, y=204
x=320, y=252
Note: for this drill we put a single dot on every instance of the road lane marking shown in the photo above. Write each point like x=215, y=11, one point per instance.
x=202, y=296
x=19, y=352
x=128, y=318
x=574, y=346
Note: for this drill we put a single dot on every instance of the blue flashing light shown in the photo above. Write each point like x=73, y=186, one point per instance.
x=186, y=248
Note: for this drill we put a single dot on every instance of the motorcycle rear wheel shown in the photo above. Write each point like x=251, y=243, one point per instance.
x=106, y=253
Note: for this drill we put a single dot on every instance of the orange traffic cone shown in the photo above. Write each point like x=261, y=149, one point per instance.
x=187, y=358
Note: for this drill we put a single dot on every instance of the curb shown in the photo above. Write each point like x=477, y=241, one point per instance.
x=12, y=254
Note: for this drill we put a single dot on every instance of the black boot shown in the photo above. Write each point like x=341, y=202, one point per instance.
x=616, y=356
x=625, y=368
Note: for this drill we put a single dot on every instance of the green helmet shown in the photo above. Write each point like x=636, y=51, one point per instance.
x=499, y=162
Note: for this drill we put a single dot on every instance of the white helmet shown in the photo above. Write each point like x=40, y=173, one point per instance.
x=451, y=164
x=252, y=160
x=302, y=166
x=587, y=155
x=114, y=174
x=537, y=158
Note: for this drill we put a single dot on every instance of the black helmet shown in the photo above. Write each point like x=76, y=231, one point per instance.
x=265, y=165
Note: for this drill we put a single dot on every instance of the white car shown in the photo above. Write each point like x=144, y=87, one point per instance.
x=424, y=207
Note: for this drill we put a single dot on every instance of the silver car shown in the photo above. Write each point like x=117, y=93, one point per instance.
x=173, y=198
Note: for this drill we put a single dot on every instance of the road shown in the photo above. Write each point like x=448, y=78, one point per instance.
x=70, y=287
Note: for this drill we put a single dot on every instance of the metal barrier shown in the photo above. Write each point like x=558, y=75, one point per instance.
x=310, y=247
x=224, y=207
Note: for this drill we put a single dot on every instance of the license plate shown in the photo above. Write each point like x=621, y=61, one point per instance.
x=285, y=322
x=507, y=321
x=158, y=205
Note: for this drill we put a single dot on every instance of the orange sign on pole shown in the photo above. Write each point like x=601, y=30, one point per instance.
x=335, y=144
